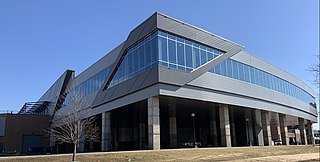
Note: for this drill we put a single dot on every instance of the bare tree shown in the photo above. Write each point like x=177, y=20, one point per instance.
x=71, y=124
x=315, y=68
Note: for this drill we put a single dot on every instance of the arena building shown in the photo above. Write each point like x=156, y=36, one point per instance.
x=172, y=85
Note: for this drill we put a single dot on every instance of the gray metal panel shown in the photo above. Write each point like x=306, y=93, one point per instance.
x=254, y=61
x=226, y=98
x=183, y=29
x=131, y=85
x=127, y=99
x=123, y=88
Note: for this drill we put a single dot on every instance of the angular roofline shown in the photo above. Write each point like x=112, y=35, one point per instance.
x=197, y=28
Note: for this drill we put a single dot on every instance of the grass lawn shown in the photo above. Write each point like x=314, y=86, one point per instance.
x=200, y=154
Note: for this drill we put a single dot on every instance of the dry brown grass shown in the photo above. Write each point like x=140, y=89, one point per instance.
x=279, y=153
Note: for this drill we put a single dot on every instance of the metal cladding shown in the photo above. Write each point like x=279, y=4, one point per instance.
x=160, y=21
x=195, y=84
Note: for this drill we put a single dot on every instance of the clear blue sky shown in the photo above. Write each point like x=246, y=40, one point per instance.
x=40, y=39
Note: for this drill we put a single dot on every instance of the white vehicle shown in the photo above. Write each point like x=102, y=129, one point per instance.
x=190, y=144
x=278, y=142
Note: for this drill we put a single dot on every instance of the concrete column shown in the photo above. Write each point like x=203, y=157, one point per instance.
x=275, y=126
x=154, y=123
x=213, y=126
x=258, y=128
x=172, y=125
x=142, y=128
x=106, y=132
x=224, y=125
x=298, y=136
x=249, y=130
x=310, y=132
x=233, y=127
x=283, y=129
x=265, y=119
x=302, y=131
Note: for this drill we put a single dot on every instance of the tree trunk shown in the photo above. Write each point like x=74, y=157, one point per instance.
x=74, y=152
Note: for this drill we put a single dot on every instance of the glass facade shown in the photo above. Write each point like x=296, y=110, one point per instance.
x=183, y=54
x=164, y=49
x=139, y=58
x=237, y=70
x=89, y=86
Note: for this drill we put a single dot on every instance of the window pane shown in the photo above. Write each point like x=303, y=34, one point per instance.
x=235, y=69
x=252, y=75
x=180, y=39
x=172, y=51
x=196, y=57
x=172, y=36
x=135, y=60
x=241, y=74
x=163, y=49
x=130, y=67
x=217, y=69
x=210, y=56
x=147, y=53
x=141, y=57
x=229, y=68
x=161, y=33
x=189, y=56
x=223, y=68
x=181, y=54
x=154, y=54
x=203, y=57
x=246, y=73
x=188, y=42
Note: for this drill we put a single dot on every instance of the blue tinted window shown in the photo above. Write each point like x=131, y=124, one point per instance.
x=154, y=49
x=188, y=42
x=161, y=33
x=252, y=75
x=141, y=57
x=196, y=57
x=217, y=69
x=203, y=57
x=163, y=49
x=210, y=56
x=246, y=73
x=130, y=66
x=135, y=60
x=180, y=49
x=147, y=49
x=235, y=69
x=172, y=36
x=223, y=68
x=241, y=74
x=189, y=56
x=180, y=39
x=229, y=68
x=195, y=44
x=172, y=52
